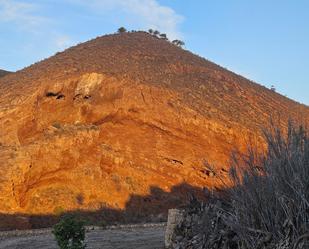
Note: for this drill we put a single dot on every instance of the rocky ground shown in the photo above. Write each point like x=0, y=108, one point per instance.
x=141, y=237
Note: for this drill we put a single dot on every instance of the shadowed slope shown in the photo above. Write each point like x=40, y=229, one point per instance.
x=113, y=116
x=150, y=208
x=3, y=73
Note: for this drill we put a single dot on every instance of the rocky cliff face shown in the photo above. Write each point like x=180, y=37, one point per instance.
x=112, y=117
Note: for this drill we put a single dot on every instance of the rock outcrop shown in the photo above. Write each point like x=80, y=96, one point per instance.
x=111, y=117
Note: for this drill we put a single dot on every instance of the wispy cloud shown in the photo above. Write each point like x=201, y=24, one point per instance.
x=147, y=13
x=29, y=19
x=23, y=14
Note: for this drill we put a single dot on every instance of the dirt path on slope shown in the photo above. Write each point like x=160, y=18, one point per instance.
x=123, y=238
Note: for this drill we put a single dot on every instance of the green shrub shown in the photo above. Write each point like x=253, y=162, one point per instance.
x=122, y=30
x=70, y=233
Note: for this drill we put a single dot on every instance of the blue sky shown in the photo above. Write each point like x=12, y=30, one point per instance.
x=266, y=41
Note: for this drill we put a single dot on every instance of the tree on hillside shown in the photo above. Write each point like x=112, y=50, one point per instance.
x=163, y=36
x=178, y=43
x=150, y=31
x=122, y=30
x=156, y=32
x=273, y=88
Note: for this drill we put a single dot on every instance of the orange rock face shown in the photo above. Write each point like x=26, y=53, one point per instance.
x=114, y=116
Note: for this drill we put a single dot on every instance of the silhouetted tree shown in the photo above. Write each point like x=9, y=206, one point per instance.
x=163, y=36
x=273, y=88
x=150, y=31
x=122, y=30
x=156, y=32
x=178, y=43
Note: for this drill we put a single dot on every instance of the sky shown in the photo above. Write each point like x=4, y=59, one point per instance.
x=265, y=41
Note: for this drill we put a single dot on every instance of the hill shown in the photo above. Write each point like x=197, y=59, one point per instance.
x=114, y=116
x=3, y=73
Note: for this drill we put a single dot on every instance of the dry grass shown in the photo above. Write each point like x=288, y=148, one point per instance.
x=268, y=205
x=271, y=193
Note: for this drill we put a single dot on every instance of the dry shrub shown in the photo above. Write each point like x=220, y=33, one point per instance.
x=268, y=205
x=270, y=197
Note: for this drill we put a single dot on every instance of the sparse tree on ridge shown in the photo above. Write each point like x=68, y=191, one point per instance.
x=156, y=32
x=178, y=43
x=163, y=36
x=122, y=30
x=150, y=31
x=273, y=88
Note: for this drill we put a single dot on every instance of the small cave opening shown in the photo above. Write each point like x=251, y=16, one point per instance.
x=58, y=95
x=51, y=94
x=80, y=97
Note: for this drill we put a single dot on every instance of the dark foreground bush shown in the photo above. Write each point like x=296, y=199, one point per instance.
x=70, y=233
x=267, y=207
